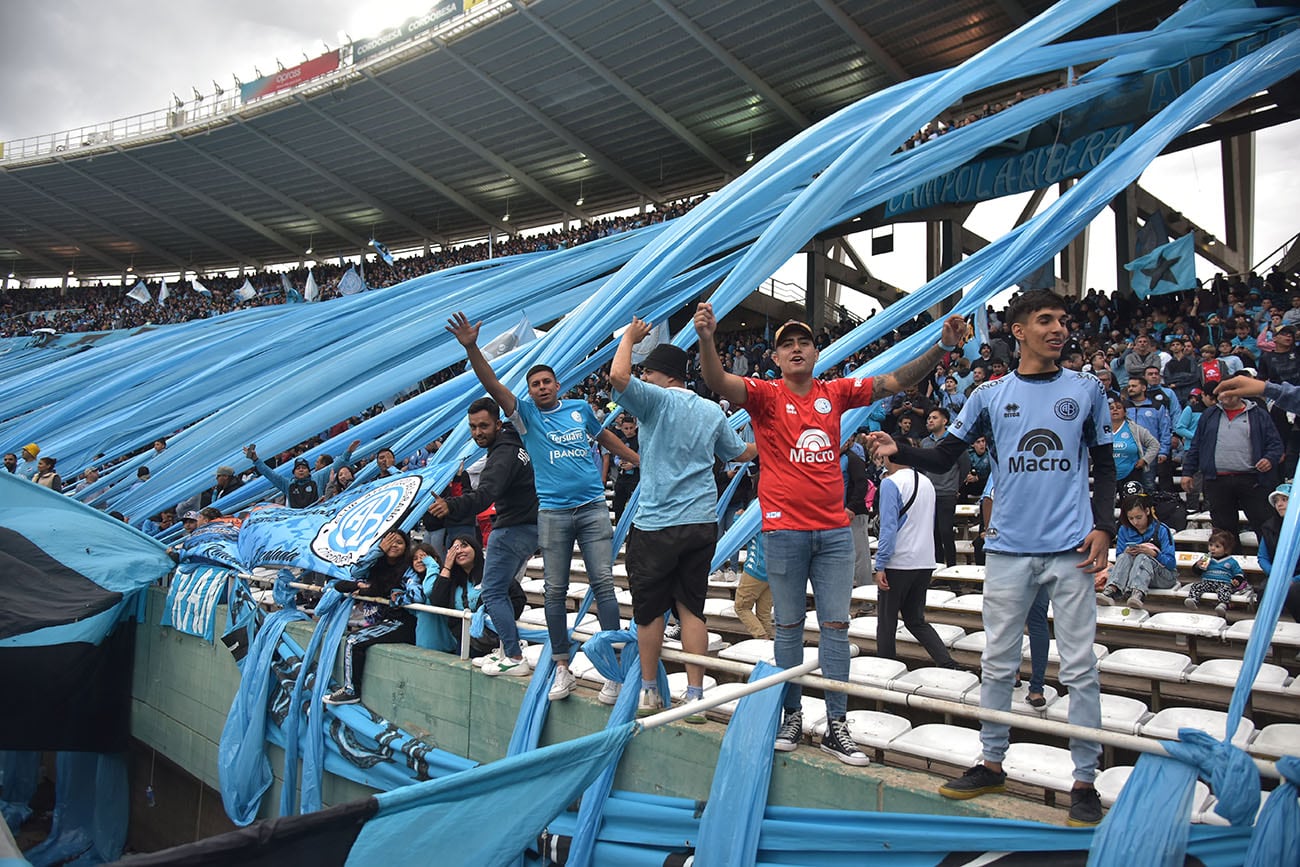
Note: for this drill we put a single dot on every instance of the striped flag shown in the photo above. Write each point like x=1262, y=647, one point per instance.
x=140, y=293
x=382, y=251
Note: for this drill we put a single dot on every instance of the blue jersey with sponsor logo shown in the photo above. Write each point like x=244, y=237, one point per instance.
x=1039, y=431
x=558, y=441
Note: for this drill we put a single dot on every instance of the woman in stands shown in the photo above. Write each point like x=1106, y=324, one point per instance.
x=384, y=573
x=1144, y=554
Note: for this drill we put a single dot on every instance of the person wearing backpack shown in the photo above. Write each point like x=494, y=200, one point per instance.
x=1144, y=555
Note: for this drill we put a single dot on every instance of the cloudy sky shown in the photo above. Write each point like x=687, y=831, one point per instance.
x=68, y=63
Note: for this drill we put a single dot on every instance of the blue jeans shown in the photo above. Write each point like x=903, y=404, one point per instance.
x=557, y=530
x=824, y=557
x=508, y=549
x=1039, y=639
x=1012, y=585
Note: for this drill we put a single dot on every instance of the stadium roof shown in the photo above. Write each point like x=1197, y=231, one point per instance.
x=519, y=108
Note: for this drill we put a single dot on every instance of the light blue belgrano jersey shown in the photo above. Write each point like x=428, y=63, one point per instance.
x=558, y=441
x=1039, y=433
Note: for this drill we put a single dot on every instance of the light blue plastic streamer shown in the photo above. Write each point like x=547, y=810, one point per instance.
x=1277, y=832
x=733, y=817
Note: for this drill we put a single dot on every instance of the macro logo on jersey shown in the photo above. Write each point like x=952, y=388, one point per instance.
x=813, y=447
x=347, y=536
x=1037, y=452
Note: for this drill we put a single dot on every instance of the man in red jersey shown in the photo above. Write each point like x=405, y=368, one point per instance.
x=806, y=530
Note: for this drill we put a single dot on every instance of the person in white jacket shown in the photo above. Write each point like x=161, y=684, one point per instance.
x=905, y=561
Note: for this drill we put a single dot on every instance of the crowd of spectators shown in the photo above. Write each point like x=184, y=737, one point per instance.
x=101, y=307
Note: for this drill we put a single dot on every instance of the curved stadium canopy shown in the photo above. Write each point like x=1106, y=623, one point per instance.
x=519, y=107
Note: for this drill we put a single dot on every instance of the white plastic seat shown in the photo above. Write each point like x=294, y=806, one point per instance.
x=952, y=745
x=948, y=633
x=938, y=598
x=535, y=563
x=1225, y=672
x=875, y=670
x=715, y=643
x=1040, y=765
x=1018, y=703
x=1115, y=615
x=945, y=683
x=751, y=650
x=975, y=642
x=1285, y=634
x=1186, y=623
x=866, y=593
x=863, y=627
x=677, y=684
x=1143, y=662
x=966, y=602
x=1167, y=722
x=814, y=712
x=583, y=668
x=967, y=572
x=1111, y=781
x=1119, y=713
x=534, y=585
x=537, y=617
x=577, y=590
x=718, y=607
x=1276, y=740
x=877, y=729
x=810, y=621
x=622, y=596
x=1053, y=655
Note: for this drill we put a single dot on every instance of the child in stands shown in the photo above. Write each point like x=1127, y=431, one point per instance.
x=1144, y=554
x=1221, y=573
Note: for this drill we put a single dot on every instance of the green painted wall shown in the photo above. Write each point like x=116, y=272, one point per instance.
x=183, y=687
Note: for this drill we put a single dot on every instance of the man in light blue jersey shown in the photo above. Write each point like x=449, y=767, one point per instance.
x=570, y=495
x=675, y=529
x=1045, y=424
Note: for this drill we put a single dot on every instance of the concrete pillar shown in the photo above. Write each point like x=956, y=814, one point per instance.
x=1125, y=206
x=1237, y=157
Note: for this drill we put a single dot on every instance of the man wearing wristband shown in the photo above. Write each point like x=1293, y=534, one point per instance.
x=806, y=530
x=507, y=480
x=1045, y=424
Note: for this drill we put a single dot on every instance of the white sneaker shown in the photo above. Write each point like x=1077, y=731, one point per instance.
x=563, y=684
x=609, y=692
x=649, y=702
x=508, y=667
x=491, y=659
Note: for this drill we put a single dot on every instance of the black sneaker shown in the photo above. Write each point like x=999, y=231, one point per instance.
x=839, y=743
x=977, y=781
x=1085, y=808
x=790, y=732
x=342, y=696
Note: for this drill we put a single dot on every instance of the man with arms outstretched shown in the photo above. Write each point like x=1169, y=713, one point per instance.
x=1045, y=424
x=570, y=495
x=805, y=526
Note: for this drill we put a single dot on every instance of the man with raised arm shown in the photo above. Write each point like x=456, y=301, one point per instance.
x=675, y=529
x=570, y=495
x=806, y=530
x=1045, y=424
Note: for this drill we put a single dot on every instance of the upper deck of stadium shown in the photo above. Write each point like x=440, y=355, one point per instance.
x=514, y=114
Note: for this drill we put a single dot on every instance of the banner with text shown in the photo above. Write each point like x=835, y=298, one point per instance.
x=291, y=77
x=409, y=29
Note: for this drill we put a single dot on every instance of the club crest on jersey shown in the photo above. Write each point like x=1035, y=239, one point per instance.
x=790, y=410
x=576, y=415
x=814, y=446
x=822, y=405
x=1066, y=409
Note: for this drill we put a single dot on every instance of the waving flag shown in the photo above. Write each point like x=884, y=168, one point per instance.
x=140, y=293
x=351, y=283
x=201, y=289
x=163, y=292
x=382, y=251
x=311, y=291
x=659, y=334
x=246, y=292
x=1166, y=269
x=519, y=335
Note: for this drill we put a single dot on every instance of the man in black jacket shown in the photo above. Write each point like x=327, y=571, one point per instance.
x=507, y=480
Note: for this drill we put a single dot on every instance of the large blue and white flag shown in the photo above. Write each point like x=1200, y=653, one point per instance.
x=311, y=291
x=519, y=335
x=382, y=251
x=1170, y=268
x=192, y=600
x=351, y=282
x=140, y=293
x=246, y=292
x=200, y=288
x=330, y=537
x=163, y=292
x=659, y=334
x=1041, y=278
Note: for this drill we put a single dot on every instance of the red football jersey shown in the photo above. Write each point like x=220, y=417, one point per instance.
x=799, y=484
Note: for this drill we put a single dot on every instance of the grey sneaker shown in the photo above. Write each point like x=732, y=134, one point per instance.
x=1191, y=602
x=1221, y=610
x=977, y=781
x=649, y=702
x=839, y=743
x=790, y=732
x=1085, y=808
x=1137, y=599
x=1109, y=595
x=563, y=684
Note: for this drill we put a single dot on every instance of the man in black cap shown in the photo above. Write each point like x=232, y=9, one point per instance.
x=299, y=492
x=670, y=547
